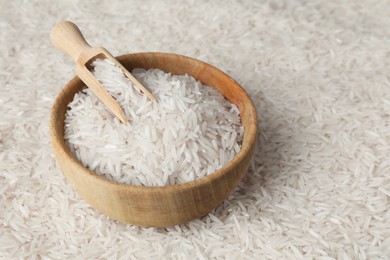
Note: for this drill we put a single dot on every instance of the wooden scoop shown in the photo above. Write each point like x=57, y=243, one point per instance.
x=67, y=37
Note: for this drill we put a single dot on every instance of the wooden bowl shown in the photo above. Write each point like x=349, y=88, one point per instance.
x=166, y=205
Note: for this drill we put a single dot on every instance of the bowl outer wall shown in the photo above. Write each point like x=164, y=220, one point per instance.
x=166, y=205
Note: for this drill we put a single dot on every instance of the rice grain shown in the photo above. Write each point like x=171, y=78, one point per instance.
x=190, y=132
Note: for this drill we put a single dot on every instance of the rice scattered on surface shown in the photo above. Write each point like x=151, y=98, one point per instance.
x=318, y=73
x=190, y=132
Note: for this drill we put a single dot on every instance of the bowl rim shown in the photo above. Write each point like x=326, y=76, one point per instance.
x=249, y=133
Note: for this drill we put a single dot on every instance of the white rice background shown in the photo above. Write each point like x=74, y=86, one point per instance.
x=190, y=131
x=318, y=73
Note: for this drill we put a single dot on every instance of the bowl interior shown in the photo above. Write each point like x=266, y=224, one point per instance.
x=178, y=64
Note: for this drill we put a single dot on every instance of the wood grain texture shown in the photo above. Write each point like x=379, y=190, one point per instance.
x=167, y=205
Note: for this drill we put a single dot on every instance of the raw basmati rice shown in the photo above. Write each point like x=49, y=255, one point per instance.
x=190, y=132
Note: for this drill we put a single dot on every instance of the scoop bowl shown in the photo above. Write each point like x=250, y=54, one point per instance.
x=166, y=205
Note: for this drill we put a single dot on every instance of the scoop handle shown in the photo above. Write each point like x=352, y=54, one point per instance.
x=67, y=37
